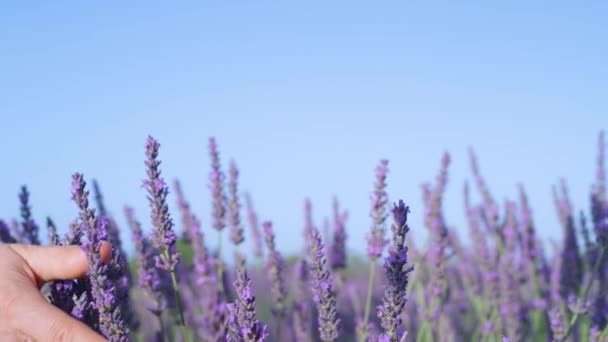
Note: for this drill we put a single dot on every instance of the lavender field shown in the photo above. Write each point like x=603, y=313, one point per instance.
x=500, y=282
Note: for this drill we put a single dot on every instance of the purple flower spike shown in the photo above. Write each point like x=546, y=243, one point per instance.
x=30, y=228
x=256, y=236
x=308, y=223
x=337, y=255
x=216, y=179
x=148, y=277
x=376, y=240
x=434, y=221
x=110, y=323
x=184, y=209
x=164, y=236
x=323, y=290
x=274, y=267
x=395, y=265
x=558, y=324
x=236, y=230
x=243, y=324
x=52, y=232
x=301, y=307
x=5, y=233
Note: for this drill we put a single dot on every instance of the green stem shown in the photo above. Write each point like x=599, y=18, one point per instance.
x=178, y=299
x=576, y=315
x=368, y=301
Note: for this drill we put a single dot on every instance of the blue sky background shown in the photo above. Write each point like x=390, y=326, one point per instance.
x=305, y=97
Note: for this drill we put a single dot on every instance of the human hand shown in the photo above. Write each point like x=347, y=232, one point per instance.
x=25, y=315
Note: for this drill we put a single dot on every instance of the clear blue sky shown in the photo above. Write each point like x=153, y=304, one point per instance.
x=306, y=98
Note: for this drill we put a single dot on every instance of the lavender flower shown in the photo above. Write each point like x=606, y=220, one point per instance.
x=209, y=297
x=110, y=322
x=184, y=209
x=308, y=224
x=252, y=216
x=5, y=233
x=52, y=232
x=236, y=231
x=119, y=272
x=510, y=301
x=216, y=177
x=274, y=267
x=149, y=278
x=395, y=265
x=164, y=236
x=30, y=228
x=558, y=324
x=571, y=275
x=337, y=254
x=376, y=240
x=490, y=207
x=438, y=233
x=243, y=324
x=323, y=292
x=301, y=307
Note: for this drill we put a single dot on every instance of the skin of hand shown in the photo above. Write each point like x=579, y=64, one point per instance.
x=25, y=315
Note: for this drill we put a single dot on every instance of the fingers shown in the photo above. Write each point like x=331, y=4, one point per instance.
x=44, y=322
x=57, y=262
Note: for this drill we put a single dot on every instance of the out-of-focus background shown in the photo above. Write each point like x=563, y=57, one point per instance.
x=306, y=98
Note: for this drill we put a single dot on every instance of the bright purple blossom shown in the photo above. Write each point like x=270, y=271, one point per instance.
x=110, y=323
x=242, y=322
x=397, y=273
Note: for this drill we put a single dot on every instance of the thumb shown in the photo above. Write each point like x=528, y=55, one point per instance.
x=57, y=262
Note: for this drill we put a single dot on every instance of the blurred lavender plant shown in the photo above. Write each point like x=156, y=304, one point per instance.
x=323, y=290
x=236, y=230
x=29, y=226
x=375, y=239
x=256, y=236
x=337, y=254
x=274, y=268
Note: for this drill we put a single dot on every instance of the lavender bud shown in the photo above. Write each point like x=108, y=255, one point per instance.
x=216, y=177
x=396, y=269
x=243, y=324
x=110, y=323
x=375, y=239
x=255, y=229
x=30, y=228
x=323, y=291
x=5, y=233
x=274, y=267
x=52, y=232
x=164, y=236
x=236, y=231
x=337, y=252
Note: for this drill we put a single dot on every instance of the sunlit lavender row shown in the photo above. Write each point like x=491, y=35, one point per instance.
x=500, y=282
